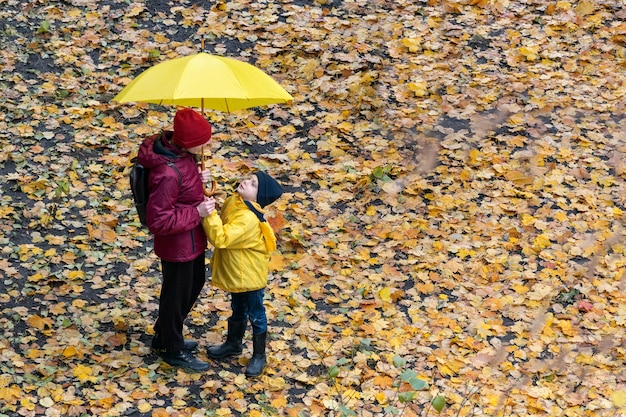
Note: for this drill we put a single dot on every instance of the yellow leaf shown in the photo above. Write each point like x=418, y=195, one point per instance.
x=83, y=373
x=6, y=211
x=34, y=354
x=136, y=11
x=520, y=289
x=286, y=130
x=279, y=402
x=385, y=295
x=585, y=7
x=69, y=351
x=542, y=241
x=560, y=216
x=36, y=277
x=516, y=119
x=337, y=319
x=240, y=380
x=396, y=342
x=26, y=251
x=527, y=219
x=412, y=44
x=27, y=404
x=144, y=407
x=381, y=397
x=76, y=275
x=142, y=265
x=10, y=394
x=474, y=154
x=566, y=327
x=109, y=122
x=420, y=88
x=618, y=398
x=531, y=53
x=445, y=370
x=345, y=127
x=518, y=177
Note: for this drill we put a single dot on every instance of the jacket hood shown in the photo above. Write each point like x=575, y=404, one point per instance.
x=155, y=151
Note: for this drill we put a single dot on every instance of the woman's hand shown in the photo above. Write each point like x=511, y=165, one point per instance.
x=206, y=207
x=205, y=175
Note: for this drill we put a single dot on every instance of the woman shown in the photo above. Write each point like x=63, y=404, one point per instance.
x=173, y=217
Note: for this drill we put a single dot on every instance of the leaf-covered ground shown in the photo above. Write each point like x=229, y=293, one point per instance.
x=455, y=176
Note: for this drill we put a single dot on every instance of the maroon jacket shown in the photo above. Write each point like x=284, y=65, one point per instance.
x=171, y=213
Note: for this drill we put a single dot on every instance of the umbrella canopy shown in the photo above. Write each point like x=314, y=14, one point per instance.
x=204, y=81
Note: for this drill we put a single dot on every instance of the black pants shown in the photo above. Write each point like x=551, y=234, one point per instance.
x=182, y=284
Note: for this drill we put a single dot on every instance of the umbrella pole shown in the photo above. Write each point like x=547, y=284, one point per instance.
x=202, y=109
x=207, y=192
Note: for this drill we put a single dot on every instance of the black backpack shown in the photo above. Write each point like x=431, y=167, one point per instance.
x=139, y=186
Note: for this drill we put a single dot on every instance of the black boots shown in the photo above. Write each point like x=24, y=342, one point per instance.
x=233, y=345
x=188, y=344
x=258, y=361
x=184, y=359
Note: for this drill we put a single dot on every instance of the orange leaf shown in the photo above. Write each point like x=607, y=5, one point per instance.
x=277, y=262
x=160, y=412
x=102, y=232
x=39, y=322
x=277, y=222
x=383, y=381
x=117, y=339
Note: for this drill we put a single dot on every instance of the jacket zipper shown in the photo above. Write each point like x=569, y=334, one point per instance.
x=193, y=242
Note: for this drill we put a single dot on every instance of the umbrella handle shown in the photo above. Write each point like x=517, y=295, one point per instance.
x=207, y=192
x=211, y=192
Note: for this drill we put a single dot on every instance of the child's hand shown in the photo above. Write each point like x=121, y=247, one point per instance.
x=206, y=207
x=205, y=175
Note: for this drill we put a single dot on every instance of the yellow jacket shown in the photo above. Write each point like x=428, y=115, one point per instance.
x=242, y=246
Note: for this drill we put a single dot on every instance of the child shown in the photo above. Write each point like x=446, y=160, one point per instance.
x=243, y=241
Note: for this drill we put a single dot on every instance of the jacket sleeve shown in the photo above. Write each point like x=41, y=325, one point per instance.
x=164, y=216
x=233, y=235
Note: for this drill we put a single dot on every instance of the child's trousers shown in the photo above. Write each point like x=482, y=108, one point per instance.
x=249, y=306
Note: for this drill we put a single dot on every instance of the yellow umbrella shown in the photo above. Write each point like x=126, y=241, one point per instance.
x=205, y=81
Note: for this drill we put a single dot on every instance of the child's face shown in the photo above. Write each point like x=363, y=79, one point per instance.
x=249, y=188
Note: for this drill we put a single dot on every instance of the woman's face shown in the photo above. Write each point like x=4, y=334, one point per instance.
x=197, y=150
x=249, y=188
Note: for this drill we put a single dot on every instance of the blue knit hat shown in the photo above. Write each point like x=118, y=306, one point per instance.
x=269, y=189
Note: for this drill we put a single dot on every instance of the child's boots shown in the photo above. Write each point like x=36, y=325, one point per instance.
x=258, y=361
x=233, y=345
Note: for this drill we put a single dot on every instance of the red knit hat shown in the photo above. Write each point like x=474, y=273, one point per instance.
x=190, y=129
